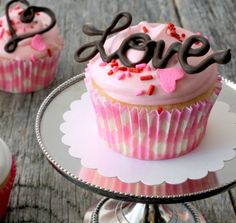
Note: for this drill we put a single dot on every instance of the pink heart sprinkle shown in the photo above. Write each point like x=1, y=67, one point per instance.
x=121, y=76
x=103, y=64
x=140, y=93
x=168, y=78
x=128, y=74
x=141, y=65
x=147, y=68
x=38, y=43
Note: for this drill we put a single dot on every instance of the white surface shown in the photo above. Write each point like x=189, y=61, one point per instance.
x=81, y=135
x=5, y=161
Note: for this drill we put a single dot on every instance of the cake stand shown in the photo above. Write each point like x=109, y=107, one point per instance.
x=137, y=203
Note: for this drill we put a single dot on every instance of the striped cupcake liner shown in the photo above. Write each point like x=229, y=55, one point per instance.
x=5, y=190
x=150, y=135
x=25, y=76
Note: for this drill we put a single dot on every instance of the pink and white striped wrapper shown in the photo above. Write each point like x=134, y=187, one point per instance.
x=25, y=76
x=148, y=135
x=5, y=190
x=92, y=176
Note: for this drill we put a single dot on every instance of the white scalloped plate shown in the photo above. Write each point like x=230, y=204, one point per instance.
x=81, y=135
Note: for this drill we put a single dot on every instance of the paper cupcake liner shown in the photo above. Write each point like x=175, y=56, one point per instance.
x=113, y=183
x=148, y=135
x=24, y=76
x=5, y=190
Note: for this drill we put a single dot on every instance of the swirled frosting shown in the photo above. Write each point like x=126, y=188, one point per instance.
x=24, y=50
x=5, y=161
x=128, y=89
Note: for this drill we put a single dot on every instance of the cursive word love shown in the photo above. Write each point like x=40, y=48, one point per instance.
x=152, y=50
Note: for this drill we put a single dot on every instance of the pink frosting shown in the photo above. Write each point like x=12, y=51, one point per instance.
x=128, y=89
x=24, y=50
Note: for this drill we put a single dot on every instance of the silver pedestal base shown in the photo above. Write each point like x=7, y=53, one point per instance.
x=113, y=211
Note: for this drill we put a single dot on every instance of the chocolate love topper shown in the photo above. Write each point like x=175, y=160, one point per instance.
x=26, y=17
x=153, y=50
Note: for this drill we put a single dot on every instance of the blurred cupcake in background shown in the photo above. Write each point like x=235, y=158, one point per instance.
x=30, y=46
x=7, y=175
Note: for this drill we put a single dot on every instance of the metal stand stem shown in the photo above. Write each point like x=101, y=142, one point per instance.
x=113, y=211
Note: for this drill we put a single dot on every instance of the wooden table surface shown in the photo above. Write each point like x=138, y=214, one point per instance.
x=40, y=194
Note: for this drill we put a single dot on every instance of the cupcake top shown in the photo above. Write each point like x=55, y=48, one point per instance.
x=132, y=67
x=5, y=161
x=32, y=29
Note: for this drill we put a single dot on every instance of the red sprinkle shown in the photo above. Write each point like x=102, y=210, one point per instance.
x=114, y=64
x=121, y=76
x=37, y=13
x=113, y=61
x=135, y=70
x=183, y=35
x=150, y=90
x=146, y=77
x=145, y=29
x=123, y=68
x=173, y=32
x=49, y=52
x=110, y=72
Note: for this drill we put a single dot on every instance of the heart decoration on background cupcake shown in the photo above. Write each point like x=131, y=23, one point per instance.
x=27, y=16
x=30, y=46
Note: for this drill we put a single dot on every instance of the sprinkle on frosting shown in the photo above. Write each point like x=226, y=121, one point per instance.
x=145, y=29
x=135, y=70
x=140, y=93
x=147, y=68
x=115, y=68
x=151, y=89
x=168, y=78
x=123, y=68
x=141, y=66
x=146, y=77
x=38, y=43
x=172, y=29
x=103, y=64
x=128, y=74
x=121, y=76
x=110, y=72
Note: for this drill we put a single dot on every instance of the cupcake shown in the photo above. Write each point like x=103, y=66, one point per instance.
x=30, y=46
x=7, y=175
x=152, y=87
